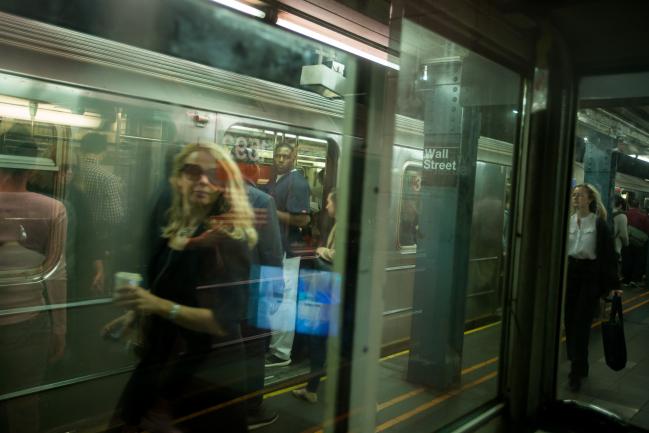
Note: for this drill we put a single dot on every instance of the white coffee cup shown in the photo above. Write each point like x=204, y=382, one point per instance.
x=123, y=279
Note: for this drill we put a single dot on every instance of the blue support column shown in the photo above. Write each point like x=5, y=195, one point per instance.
x=600, y=166
x=450, y=149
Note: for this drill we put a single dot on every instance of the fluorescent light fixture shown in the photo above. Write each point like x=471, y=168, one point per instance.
x=242, y=7
x=245, y=128
x=332, y=38
x=314, y=140
x=515, y=111
x=45, y=115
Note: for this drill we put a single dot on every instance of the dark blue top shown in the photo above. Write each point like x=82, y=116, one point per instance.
x=291, y=193
x=266, y=274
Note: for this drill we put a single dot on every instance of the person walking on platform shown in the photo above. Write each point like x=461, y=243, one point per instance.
x=634, y=257
x=592, y=272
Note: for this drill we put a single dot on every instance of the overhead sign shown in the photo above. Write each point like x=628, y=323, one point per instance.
x=441, y=165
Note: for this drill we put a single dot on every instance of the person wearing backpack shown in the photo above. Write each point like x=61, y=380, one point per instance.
x=634, y=258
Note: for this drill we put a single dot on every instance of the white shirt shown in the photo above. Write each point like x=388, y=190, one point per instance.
x=621, y=224
x=582, y=238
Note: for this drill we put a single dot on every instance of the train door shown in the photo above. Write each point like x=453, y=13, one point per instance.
x=605, y=285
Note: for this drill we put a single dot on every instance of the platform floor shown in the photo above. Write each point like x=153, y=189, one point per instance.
x=403, y=406
x=407, y=407
x=626, y=392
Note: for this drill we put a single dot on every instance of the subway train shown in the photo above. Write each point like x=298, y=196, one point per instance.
x=148, y=104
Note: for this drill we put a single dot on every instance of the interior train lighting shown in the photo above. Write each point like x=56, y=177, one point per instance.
x=314, y=140
x=330, y=37
x=22, y=109
x=242, y=7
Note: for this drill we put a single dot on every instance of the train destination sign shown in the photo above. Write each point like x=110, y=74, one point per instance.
x=440, y=165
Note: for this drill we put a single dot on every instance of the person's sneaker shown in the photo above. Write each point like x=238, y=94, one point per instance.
x=261, y=418
x=303, y=394
x=274, y=361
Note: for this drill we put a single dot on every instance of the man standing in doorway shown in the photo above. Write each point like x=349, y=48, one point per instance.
x=290, y=189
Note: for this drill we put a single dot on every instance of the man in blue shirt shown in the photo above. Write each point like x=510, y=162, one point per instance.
x=290, y=189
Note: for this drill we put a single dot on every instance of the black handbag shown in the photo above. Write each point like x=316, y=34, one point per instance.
x=613, y=337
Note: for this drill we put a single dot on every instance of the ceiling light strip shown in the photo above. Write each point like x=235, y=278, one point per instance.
x=282, y=22
x=242, y=7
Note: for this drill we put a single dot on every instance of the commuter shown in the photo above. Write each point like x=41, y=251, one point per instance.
x=592, y=273
x=290, y=190
x=197, y=299
x=318, y=343
x=620, y=226
x=265, y=288
x=103, y=191
x=32, y=239
x=634, y=259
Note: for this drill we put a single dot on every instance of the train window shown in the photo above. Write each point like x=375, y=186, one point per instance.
x=143, y=205
x=83, y=192
x=408, y=228
x=610, y=169
x=454, y=132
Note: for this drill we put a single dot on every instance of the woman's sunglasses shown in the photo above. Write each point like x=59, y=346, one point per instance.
x=194, y=172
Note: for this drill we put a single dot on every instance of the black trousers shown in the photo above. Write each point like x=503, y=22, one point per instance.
x=317, y=356
x=188, y=384
x=582, y=297
x=256, y=341
x=634, y=263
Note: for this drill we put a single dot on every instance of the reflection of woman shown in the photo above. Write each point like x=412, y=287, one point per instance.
x=197, y=295
x=32, y=239
x=591, y=273
x=317, y=343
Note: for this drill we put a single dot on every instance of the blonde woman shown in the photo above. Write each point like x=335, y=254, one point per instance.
x=592, y=272
x=197, y=295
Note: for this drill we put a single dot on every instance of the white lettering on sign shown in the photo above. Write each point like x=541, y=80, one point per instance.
x=439, y=159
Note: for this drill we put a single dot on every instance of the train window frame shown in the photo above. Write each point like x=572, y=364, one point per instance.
x=405, y=249
x=293, y=134
x=36, y=163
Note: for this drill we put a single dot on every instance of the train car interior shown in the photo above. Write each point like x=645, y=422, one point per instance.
x=412, y=267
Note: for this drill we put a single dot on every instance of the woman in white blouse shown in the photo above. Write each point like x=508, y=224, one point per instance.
x=592, y=272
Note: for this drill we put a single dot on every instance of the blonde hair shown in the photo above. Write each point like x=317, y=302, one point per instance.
x=240, y=222
x=596, y=206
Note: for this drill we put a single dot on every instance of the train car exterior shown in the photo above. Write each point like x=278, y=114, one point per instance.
x=151, y=119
